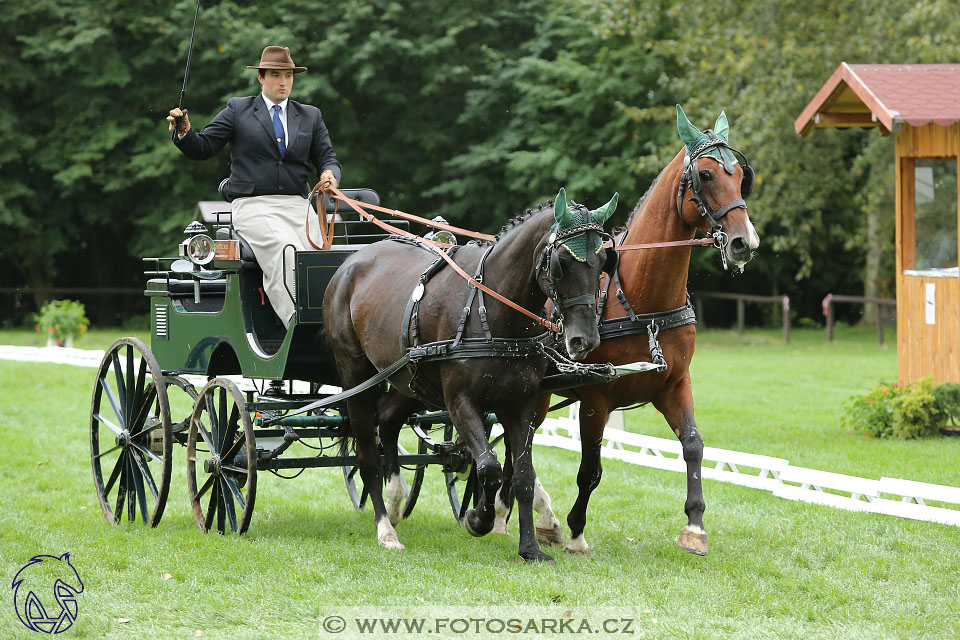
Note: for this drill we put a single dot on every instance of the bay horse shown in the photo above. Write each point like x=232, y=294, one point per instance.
x=701, y=188
x=395, y=297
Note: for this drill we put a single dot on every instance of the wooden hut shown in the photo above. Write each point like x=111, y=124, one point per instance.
x=920, y=105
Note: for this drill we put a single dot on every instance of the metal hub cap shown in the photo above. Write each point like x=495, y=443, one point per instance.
x=212, y=465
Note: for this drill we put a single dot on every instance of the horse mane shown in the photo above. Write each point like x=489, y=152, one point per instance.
x=517, y=220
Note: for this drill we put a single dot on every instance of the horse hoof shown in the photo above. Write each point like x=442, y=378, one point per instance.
x=578, y=546
x=539, y=556
x=552, y=536
x=693, y=540
x=392, y=544
x=475, y=526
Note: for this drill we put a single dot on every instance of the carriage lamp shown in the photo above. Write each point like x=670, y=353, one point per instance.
x=200, y=249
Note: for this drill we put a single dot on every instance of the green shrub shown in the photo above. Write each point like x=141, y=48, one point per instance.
x=61, y=318
x=915, y=412
x=948, y=398
x=872, y=412
x=900, y=411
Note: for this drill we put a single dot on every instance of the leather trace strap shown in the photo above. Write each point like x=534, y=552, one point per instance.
x=438, y=249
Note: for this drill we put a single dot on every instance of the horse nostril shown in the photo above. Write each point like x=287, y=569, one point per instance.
x=576, y=344
x=737, y=245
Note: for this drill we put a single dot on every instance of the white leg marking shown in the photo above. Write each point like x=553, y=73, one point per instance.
x=694, y=529
x=502, y=511
x=578, y=545
x=387, y=535
x=543, y=507
x=394, y=497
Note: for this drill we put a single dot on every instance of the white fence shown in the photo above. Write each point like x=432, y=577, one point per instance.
x=907, y=498
x=777, y=475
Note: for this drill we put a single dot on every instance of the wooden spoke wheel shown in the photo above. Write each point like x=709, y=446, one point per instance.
x=412, y=480
x=130, y=434
x=463, y=484
x=463, y=490
x=181, y=405
x=221, y=459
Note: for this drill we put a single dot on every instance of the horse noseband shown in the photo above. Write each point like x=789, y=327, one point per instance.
x=691, y=178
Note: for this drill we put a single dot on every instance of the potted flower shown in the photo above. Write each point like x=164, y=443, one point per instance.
x=61, y=321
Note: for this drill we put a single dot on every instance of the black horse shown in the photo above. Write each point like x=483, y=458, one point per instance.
x=395, y=298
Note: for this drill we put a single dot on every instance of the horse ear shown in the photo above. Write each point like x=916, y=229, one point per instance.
x=722, y=128
x=560, y=210
x=688, y=133
x=602, y=214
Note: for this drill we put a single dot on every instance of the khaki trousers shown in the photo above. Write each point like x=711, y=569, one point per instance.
x=273, y=226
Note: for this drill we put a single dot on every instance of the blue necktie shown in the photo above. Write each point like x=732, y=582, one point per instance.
x=278, y=130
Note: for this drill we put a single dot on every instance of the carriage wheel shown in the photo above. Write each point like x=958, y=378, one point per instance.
x=411, y=489
x=414, y=492
x=130, y=434
x=463, y=490
x=463, y=484
x=222, y=447
x=181, y=405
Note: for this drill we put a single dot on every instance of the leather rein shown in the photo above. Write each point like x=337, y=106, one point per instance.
x=437, y=248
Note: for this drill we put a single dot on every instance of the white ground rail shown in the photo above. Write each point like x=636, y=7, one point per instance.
x=776, y=475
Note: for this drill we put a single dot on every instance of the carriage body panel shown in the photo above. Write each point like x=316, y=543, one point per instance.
x=230, y=328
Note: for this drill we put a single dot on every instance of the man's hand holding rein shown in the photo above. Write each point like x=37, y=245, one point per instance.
x=328, y=182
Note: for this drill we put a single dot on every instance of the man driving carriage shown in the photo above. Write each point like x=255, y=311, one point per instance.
x=273, y=140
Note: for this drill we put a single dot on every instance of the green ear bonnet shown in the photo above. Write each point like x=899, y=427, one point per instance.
x=570, y=216
x=699, y=142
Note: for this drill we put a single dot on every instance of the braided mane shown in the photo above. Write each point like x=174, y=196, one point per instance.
x=520, y=219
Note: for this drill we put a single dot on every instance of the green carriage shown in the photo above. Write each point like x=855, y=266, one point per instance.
x=210, y=319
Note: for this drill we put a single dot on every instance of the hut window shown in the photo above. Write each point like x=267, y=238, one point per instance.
x=936, y=213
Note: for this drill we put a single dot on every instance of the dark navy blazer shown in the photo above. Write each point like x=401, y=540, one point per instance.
x=256, y=167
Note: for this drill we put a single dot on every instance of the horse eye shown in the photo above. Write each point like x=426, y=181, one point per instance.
x=705, y=176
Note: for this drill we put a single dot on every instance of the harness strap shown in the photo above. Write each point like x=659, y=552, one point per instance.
x=621, y=297
x=672, y=243
x=640, y=323
x=734, y=204
x=439, y=250
x=343, y=395
x=462, y=324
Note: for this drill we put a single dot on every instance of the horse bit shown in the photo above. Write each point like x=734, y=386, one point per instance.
x=691, y=178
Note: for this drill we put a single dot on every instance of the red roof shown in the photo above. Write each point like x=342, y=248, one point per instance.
x=885, y=94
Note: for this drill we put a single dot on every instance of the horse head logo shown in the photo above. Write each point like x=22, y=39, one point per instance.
x=39, y=577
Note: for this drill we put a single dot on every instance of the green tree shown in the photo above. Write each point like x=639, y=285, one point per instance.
x=573, y=108
x=822, y=203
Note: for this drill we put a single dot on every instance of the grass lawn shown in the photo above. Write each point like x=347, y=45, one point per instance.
x=776, y=569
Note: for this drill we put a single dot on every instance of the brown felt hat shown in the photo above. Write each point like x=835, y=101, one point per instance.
x=277, y=58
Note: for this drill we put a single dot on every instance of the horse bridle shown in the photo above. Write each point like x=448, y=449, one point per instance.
x=691, y=178
x=550, y=262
